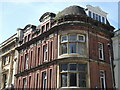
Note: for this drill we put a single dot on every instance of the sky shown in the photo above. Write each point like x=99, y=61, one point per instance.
x=15, y=14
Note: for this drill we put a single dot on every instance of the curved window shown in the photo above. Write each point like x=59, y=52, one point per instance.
x=72, y=43
x=73, y=74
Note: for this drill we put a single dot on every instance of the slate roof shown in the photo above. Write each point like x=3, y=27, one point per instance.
x=72, y=10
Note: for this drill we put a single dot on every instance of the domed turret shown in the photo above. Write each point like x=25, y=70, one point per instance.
x=72, y=10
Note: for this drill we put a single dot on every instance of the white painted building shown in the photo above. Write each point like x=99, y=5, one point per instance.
x=96, y=13
x=116, y=50
x=8, y=58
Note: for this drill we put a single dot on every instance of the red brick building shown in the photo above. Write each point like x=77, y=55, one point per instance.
x=67, y=50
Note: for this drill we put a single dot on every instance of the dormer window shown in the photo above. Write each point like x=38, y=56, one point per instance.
x=100, y=18
x=93, y=15
x=47, y=26
x=43, y=29
x=25, y=39
x=90, y=14
x=103, y=19
x=97, y=17
x=29, y=37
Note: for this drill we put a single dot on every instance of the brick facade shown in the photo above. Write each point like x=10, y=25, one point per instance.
x=51, y=38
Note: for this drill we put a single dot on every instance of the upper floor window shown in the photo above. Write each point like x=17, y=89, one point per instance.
x=90, y=14
x=38, y=53
x=99, y=18
x=25, y=39
x=73, y=43
x=47, y=26
x=44, y=80
x=102, y=80
x=24, y=84
x=96, y=16
x=4, y=80
x=29, y=37
x=93, y=15
x=73, y=74
x=43, y=29
x=103, y=19
x=101, y=51
x=45, y=52
x=26, y=61
x=6, y=60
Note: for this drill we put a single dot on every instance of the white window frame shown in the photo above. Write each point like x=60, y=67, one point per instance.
x=82, y=36
x=103, y=79
x=68, y=71
x=76, y=41
x=101, y=50
x=63, y=36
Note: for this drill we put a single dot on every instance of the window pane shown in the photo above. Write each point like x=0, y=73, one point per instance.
x=72, y=37
x=24, y=83
x=64, y=38
x=81, y=48
x=82, y=79
x=94, y=15
x=82, y=67
x=63, y=67
x=103, y=19
x=72, y=47
x=26, y=61
x=73, y=67
x=73, y=79
x=44, y=77
x=100, y=46
x=64, y=48
x=80, y=38
x=100, y=18
x=64, y=79
x=45, y=52
x=89, y=13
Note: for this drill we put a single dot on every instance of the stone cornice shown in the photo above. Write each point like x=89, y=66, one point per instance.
x=57, y=61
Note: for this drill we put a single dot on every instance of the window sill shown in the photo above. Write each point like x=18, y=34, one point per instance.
x=71, y=55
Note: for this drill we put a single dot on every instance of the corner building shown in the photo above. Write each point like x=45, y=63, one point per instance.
x=67, y=50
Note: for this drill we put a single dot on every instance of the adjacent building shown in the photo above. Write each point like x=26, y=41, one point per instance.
x=70, y=49
x=8, y=58
x=116, y=50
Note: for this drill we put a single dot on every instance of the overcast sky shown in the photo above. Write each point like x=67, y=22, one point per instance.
x=15, y=15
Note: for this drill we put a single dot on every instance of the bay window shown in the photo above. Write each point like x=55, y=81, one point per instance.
x=73, y=43
x=73, y=75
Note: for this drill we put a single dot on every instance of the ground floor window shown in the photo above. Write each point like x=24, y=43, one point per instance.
x=73, y=75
